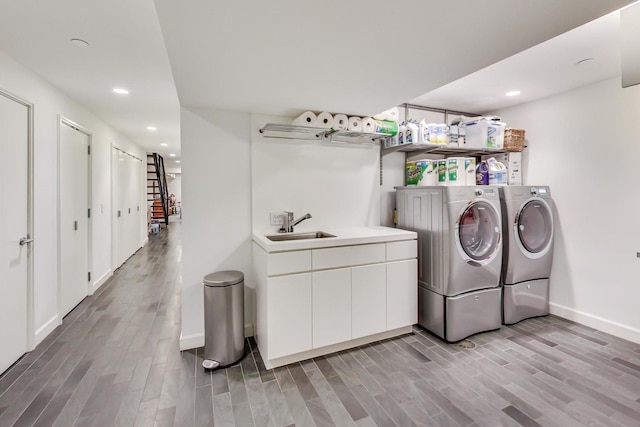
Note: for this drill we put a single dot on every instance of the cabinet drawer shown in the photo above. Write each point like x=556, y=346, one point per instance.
x=288, y=262
x=406, y=249
x=348, y=255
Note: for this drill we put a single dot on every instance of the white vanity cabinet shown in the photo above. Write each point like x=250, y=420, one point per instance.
x=315, y=301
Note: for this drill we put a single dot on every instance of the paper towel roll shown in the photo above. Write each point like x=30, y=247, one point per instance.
x=368, y=125
x=470, y=170
x=380, y=116
x=456, y=171
x=392, y=114
x=355, y=124
x=308, y=118
x=325, y=120
x=429, y=172
x=340, y=121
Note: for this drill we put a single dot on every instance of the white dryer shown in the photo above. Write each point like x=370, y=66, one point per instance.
x=528, y=251
x=459, y=256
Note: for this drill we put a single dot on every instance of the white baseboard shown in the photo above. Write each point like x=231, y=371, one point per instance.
x=191, y=341
x=44, y=330
x=248, y=330
x=197, y=340
x=101, y=281
x=617, y=329
x=285, y=360
x=145, y=241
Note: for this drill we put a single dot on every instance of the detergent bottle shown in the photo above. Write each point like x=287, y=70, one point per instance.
x=411, y=134
x=482, y=174
x=497, y=172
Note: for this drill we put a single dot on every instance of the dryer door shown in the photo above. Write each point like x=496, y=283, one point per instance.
x=534, y=228
x=478, y=232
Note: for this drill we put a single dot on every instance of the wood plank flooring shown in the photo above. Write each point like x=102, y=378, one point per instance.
x=115, y=361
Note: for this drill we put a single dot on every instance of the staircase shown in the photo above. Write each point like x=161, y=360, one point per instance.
x=157, y=193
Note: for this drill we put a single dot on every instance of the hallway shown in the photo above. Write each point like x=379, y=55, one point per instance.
x=116, y=361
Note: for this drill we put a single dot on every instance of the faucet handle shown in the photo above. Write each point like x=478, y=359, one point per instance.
x=287, y=220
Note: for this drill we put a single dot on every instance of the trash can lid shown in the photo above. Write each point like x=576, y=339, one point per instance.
x=223, y=278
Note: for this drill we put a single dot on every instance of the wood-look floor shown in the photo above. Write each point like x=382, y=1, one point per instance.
x=115, y=361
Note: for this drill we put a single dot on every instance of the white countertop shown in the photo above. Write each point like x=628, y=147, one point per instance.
x=344, y=237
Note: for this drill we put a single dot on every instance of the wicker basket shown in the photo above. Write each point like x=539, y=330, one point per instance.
x=513, y=139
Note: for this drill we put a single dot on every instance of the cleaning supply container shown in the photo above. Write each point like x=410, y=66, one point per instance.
x=484, y=132
x=411, y=134
x=497, y=172
x=482, y=174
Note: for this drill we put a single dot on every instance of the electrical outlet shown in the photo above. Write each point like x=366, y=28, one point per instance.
x=275, y=218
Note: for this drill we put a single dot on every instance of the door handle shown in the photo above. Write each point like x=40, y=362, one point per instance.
x=25, y=241
x=75, y=225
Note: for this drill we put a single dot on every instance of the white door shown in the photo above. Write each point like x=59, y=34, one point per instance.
x=14, y=225
x=73, y=221
x=133, y=189
x=128, y=209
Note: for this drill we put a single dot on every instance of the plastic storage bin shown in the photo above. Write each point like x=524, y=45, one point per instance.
x=484, y=133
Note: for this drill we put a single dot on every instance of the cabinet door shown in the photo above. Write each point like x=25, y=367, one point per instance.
x=368, y=300
x=289, y=314
x=331, y=307
x=402, y=293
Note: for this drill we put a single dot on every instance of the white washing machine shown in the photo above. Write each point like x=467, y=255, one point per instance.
x=527, y=252
x=459, y=256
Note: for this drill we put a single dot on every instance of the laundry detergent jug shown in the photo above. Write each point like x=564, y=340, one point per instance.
x=482, y=174
x=497, y=172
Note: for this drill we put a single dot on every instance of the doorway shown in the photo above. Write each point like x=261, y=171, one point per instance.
x=129, y=211
x=73, y=215
x=16, y=228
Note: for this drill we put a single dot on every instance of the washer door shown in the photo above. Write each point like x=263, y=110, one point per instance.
x=534, y=228
x=479, y=232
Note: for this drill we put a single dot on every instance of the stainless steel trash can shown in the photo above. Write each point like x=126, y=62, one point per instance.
x=223, y=318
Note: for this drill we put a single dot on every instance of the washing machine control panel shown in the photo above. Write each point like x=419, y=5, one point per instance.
x=479, y=192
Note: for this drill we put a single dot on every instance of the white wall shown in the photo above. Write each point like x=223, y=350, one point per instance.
x=216, y=220
x=584, y=144
x=49, y=105
x=338, y=184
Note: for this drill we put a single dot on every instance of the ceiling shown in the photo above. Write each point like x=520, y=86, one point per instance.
x=125, y=50
x=546, y=69
x=287, y=56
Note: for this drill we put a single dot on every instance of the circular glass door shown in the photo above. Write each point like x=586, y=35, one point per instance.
x=479, y=231
x=535, y=226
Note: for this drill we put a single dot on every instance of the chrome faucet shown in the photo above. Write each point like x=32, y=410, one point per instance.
x=288, y=222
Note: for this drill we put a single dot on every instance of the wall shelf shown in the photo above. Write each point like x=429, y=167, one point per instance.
x=275, y=130
x=445, y=150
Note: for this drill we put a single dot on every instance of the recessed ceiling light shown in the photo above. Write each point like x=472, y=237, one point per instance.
x=121, y=91
x=172, y=155
x=513, y=93
x=80, y=42
x=163, y=144
x=152, y=128
x=585, y=61
x=177, y=161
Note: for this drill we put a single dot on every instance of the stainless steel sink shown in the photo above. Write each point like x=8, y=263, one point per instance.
x=299, y=236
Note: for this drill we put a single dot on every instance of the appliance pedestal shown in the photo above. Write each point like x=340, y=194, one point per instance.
x=524, y=300
x=455, y=318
